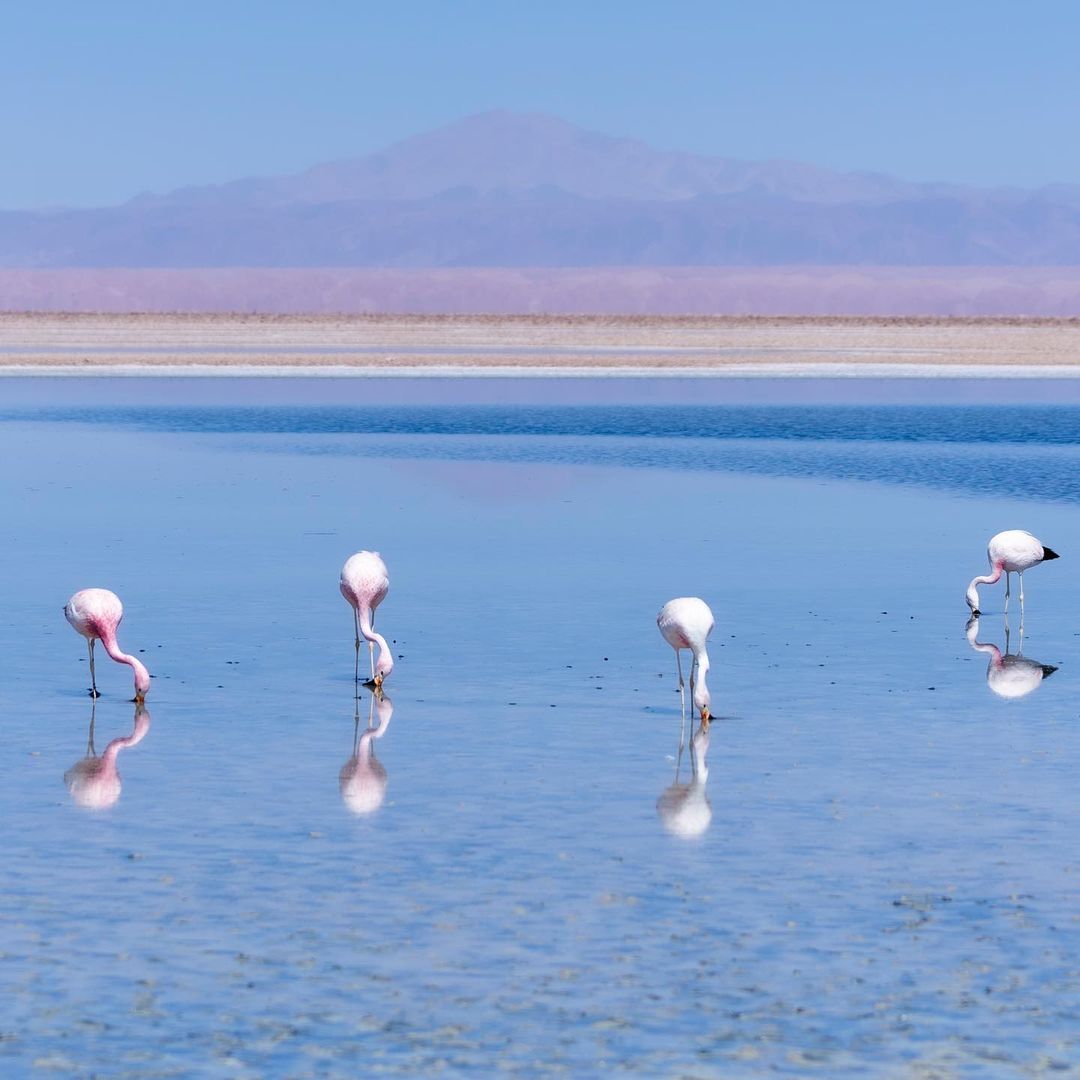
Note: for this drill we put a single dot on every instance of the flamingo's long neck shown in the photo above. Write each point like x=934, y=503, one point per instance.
x=142, y=676
x=369, y=634
x=983, y=579
x=989, y=579
x=701, y=689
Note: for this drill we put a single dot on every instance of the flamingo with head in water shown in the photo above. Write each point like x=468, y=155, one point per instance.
x=96, y=613
x=1013, y=552
x=365, y=583
x=686, y=624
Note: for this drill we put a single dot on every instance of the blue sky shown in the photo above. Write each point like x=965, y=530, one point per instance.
x=100, y=101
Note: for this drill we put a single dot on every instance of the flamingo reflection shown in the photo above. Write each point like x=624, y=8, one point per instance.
x=1013, y=675
x=684, y=806
x=94, y=782
x=362, y=779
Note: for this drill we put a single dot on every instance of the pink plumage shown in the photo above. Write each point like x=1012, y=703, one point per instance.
x=364, y=583
x=96, y=613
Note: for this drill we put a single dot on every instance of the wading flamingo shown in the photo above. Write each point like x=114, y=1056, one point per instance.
x=94, y=782
x=96, y=613
x=364, y=583
x=686, y=624
x=1013, y=551
x=1012, y=675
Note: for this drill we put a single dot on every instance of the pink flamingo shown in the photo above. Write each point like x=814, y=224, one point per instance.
x=686, y=624
x=94, y=782
x=364, y=583
x=1013, y=551
x=362, y=780
x=96, y=613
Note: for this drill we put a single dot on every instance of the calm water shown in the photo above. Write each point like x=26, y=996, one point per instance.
x=885, y=874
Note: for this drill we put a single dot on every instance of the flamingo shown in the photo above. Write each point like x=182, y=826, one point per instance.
x=1012, y=675
x=362, y=780
x=94, y=782
x=96, y=613
x=364, y=583
x=686, y=624
x=1013, y=551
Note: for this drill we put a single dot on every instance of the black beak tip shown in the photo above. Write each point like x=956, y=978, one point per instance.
x=370, y=684
x=1048, y=554
x=1048, y=670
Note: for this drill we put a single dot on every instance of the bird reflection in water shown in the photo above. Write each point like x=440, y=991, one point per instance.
x=1012, y=675
x=684, y=806
x=94, y=782
x=362, y=779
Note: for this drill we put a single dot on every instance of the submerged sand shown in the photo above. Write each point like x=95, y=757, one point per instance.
x=557, y=343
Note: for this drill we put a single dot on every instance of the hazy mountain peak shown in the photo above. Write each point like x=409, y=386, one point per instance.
x=502, y=150
x=525, y=189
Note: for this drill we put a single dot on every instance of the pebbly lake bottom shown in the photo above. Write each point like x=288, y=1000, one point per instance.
x=886, y=880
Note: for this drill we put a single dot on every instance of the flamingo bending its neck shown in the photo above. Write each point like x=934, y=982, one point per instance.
x=1013, y=552
x=96, y=613
x=364, y=583
x=686, y=624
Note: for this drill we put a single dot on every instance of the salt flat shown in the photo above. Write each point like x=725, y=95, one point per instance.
x=571, y=344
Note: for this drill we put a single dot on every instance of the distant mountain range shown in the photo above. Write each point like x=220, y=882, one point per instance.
x=524, y=190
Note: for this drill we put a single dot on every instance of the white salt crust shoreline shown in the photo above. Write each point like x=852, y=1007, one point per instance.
x=442, y=371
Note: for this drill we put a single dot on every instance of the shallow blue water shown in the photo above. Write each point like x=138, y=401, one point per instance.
x=888, y=880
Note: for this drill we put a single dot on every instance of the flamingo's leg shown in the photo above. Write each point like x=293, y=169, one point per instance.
x=371, y=647
x=356, y=620
x=1008, y=588
x=693, y=668
x=1021, y=593
x=682, y=713
x=93, y=678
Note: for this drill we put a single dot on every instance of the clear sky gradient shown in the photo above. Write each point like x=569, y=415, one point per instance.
x=101, y=101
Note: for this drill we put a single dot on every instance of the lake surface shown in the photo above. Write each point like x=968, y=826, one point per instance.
x=879, y=873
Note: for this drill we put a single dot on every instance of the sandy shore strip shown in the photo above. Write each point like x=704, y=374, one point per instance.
x=1030, y=372
x=528, y=345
